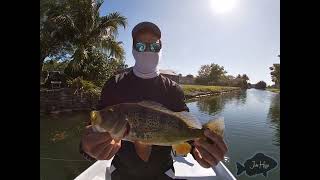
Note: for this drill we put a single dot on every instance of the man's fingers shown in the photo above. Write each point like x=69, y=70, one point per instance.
x=199, y=158
x=105, y=153
x=207, y=156
x=98, y=149
x=115, y=148
x=213, y=149
x=216, y=139
x=98, y=138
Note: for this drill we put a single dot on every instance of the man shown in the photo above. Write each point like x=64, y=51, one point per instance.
x=143, y=82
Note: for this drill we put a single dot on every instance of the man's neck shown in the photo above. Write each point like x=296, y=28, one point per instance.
x=150, y=75
x=143, y=150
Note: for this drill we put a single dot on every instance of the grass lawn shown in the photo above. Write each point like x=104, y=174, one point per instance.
x=189, y=89
x=273, y=90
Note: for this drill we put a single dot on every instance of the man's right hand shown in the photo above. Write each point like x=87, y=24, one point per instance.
x=100, y=146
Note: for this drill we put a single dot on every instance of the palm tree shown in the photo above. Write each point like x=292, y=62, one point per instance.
x=85, y=31
x=56, y=31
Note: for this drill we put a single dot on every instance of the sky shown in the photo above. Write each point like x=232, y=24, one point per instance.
x=243, y=36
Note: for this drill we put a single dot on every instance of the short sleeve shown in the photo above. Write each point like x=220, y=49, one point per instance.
x=108, y=95
x=177, y=98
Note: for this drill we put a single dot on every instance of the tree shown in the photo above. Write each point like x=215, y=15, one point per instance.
x=56, y=29
x=212, y=73
x=79, y=30
x=241, y=81
x=261, y=85
x=216, y=73
x=96, y=68
x=275, y=74
x=230, y=77
x=55, y=65
x=189, y=76
x=97, y=41
x=203, y=75
x=245, y=77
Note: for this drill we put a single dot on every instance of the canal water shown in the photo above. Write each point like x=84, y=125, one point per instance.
x=252, y=125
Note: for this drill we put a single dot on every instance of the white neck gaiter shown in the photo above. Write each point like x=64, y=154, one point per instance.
x=146, y=65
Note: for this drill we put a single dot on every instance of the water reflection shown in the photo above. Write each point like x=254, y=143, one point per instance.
x=59, y=145
x=274, y=117
x=243, y=97
x=214, y=105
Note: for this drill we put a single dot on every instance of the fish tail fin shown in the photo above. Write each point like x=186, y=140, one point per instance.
x=240, y=168
x=215, y=125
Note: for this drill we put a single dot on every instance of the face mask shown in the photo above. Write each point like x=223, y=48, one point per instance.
x=146, y=65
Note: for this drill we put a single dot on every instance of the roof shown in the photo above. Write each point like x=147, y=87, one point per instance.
x=168, y=72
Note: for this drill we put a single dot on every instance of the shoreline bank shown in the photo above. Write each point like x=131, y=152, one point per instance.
x=273, y=90
x=198, y=91
x=64, y=101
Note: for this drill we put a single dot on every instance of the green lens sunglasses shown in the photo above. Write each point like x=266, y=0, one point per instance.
x=145, y=47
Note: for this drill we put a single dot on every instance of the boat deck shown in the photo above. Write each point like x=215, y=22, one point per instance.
x=185, y=167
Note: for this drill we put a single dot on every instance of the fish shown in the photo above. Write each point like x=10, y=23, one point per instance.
x=258, y=164
x=151, y=123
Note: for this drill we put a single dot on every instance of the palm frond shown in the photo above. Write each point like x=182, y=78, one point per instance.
x=109, y=24
x=114, y=48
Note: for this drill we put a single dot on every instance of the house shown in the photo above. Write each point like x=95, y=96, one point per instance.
x=170, y=74
x=189, y=79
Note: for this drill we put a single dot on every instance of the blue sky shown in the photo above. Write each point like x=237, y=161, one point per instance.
x=245, y=39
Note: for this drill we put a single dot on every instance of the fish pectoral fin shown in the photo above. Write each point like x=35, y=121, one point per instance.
x=182, y=149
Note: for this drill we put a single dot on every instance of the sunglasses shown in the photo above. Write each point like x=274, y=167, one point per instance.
x=144, y=47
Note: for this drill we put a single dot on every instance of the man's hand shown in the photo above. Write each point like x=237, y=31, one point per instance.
x=208, y=154
x=99, y=145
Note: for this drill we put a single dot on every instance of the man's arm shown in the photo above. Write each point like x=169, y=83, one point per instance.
x=96, y=145
x=108, y=95
x=177, y=99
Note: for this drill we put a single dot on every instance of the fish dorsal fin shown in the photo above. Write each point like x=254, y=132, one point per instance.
x=155, y=106
x=187, y=117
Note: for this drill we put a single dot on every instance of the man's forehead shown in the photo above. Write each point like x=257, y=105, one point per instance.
x=146, y=34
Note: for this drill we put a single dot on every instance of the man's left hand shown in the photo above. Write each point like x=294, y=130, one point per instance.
x=209, y=154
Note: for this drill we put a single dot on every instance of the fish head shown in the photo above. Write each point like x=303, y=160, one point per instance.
x=110, y=120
